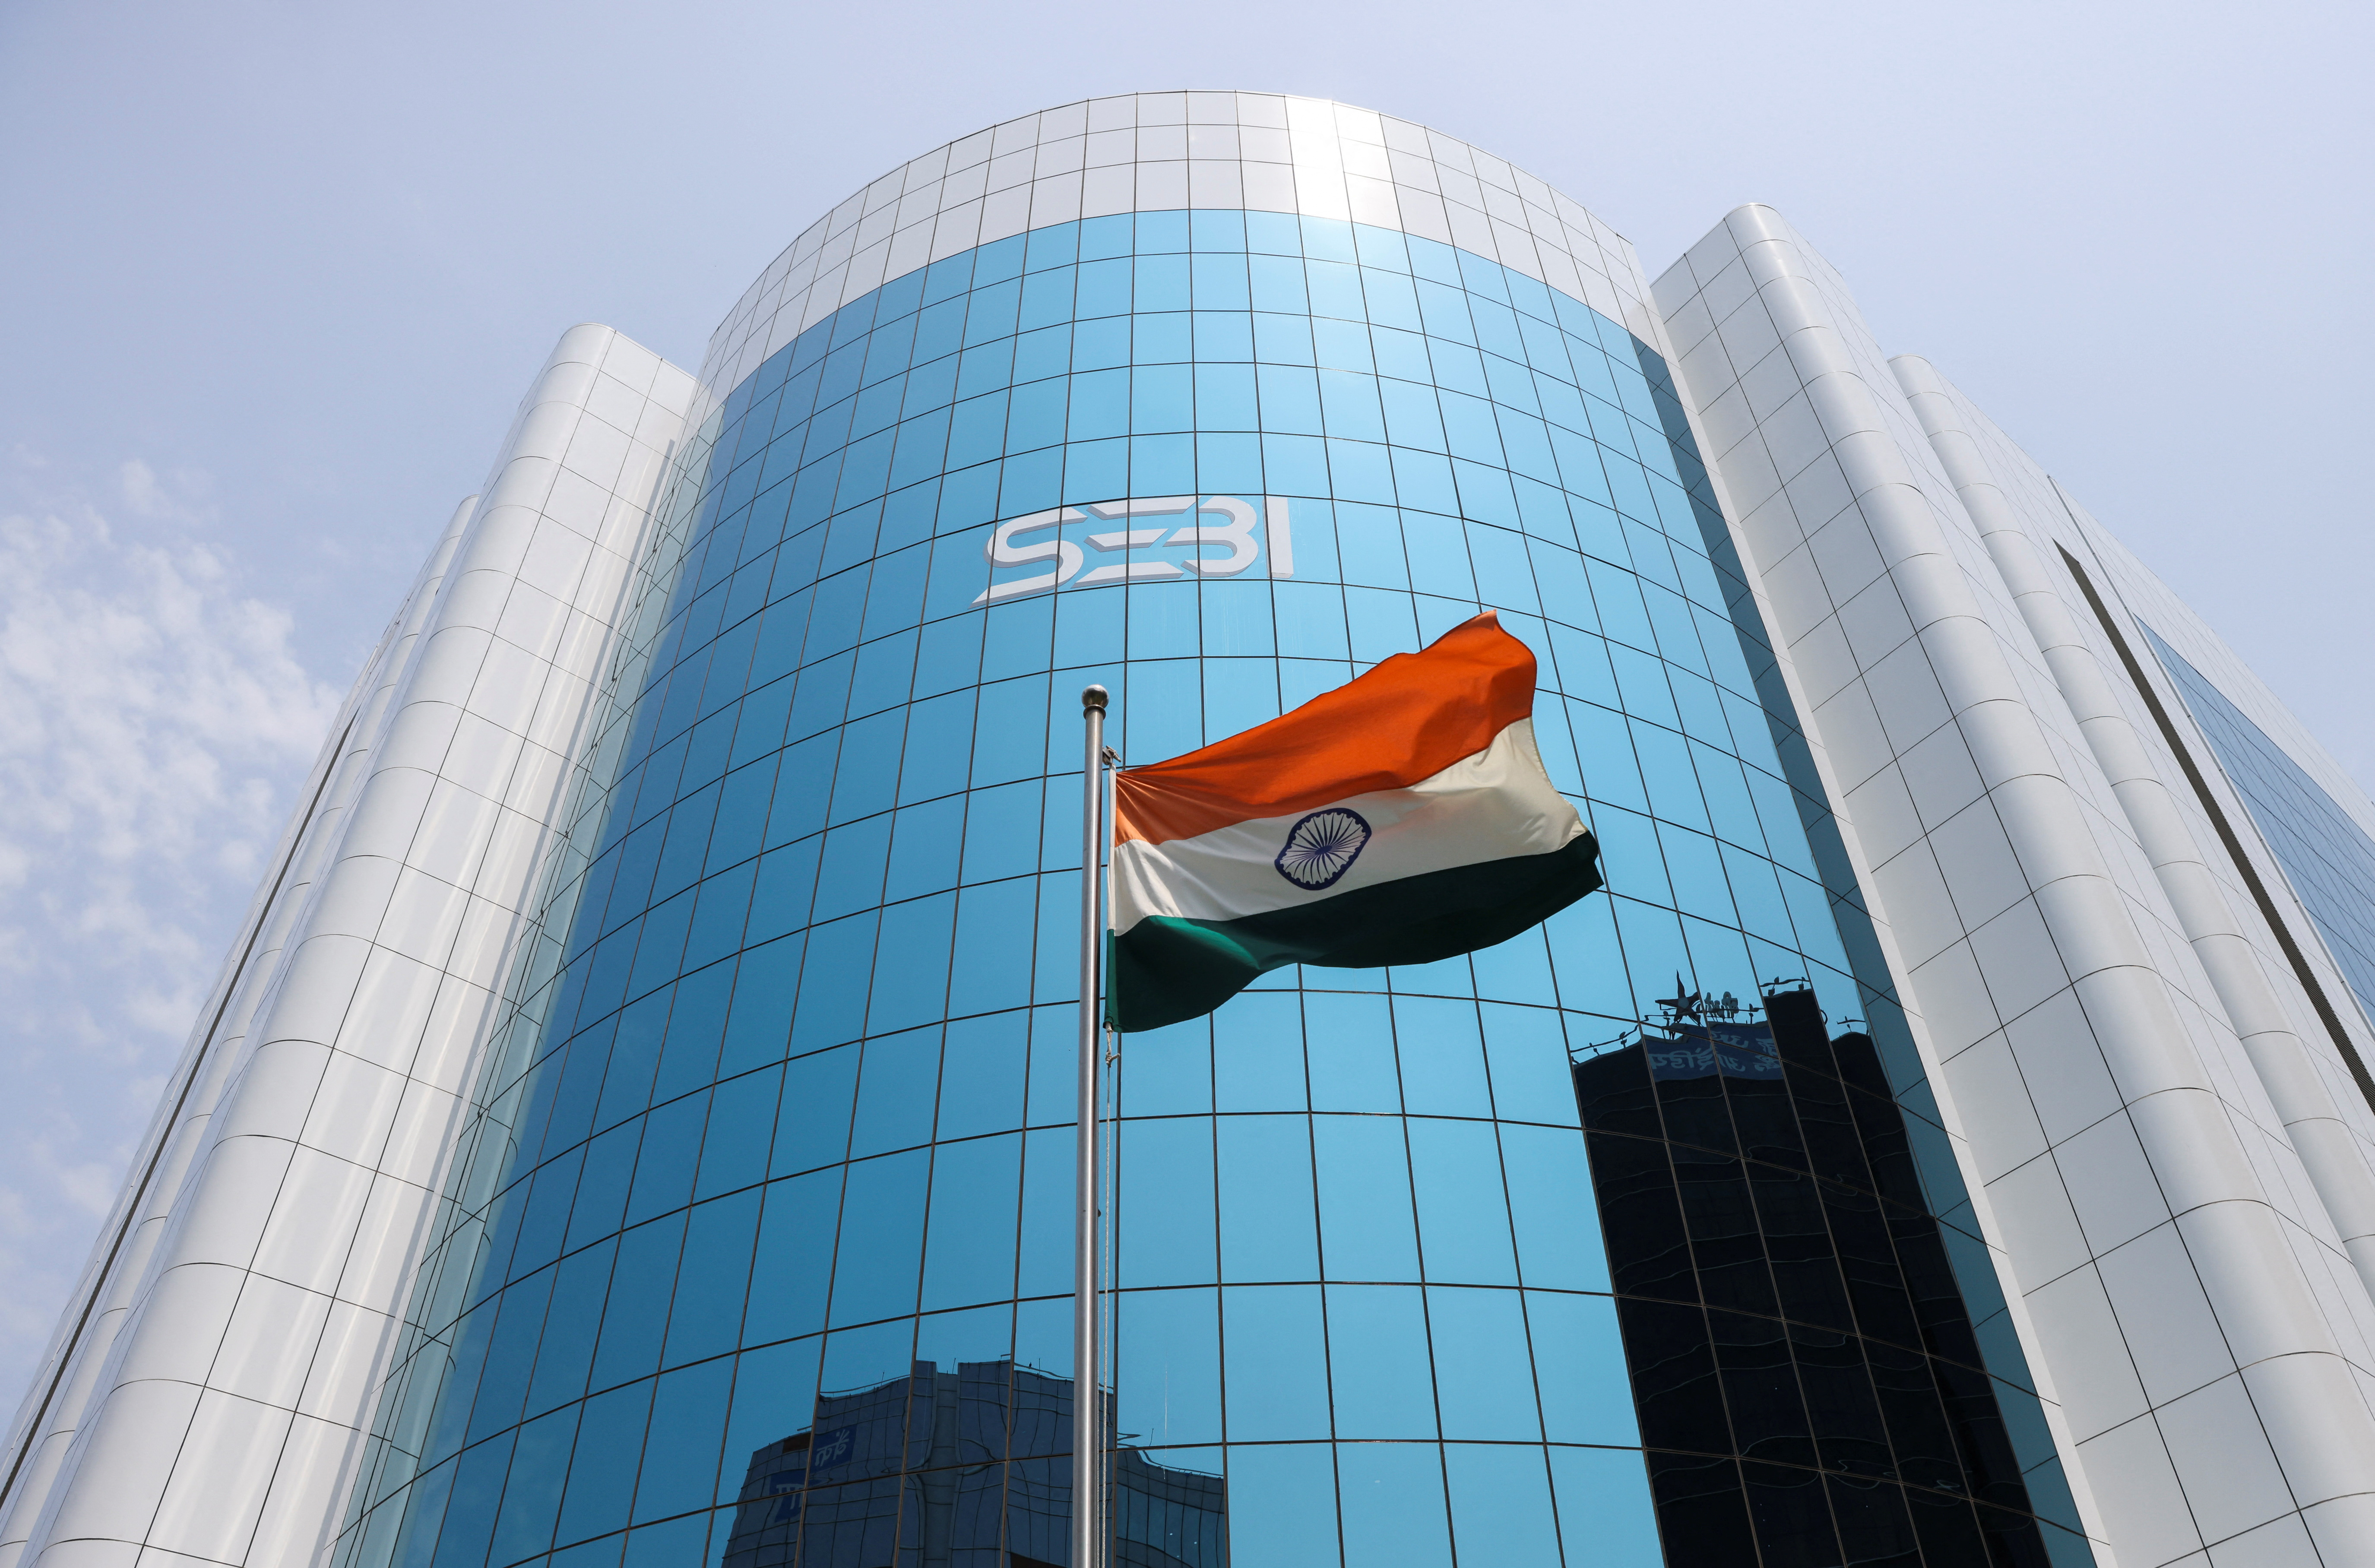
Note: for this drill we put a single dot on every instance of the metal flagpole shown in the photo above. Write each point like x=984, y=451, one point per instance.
x=1088, y=1431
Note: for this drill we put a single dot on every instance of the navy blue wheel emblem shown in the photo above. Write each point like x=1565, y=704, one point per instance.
x=1322, y=847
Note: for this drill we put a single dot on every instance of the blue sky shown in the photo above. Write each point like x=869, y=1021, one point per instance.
x=273, y=276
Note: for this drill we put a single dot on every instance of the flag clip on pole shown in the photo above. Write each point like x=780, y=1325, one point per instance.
x=1088, y=1434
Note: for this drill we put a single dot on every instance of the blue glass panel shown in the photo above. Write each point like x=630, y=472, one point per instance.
x=1378, y=1355
x=894, y=1092
x=470, y=1509
x=1268, y=1229
x=1442, y=1057
x=565, y=1354
x=2327, y=856
x=1043, y=1260
x=1281, y=1505
x=510, y=1357
x=881, y=1236
x=1604, y=1512
x=1167, y=1350
x=1483, y=1383
x=1167, y=1227
x=667, y=1545
x=1558, y=1237
x=1500, y=1510
x=793, y=1260
x=1275, y=1358
x=1169, y=1071
x=1367, y=1227
x=1462, y=1214
x=977, y=1195
x=1351, y=1047
x=1258, y=1053
x=983, y=1074
x=1392, y=1502
x=671, y=1155
x=1579, y=1370
x=680, y=1448
x=636, y=1316
x=713, y=1280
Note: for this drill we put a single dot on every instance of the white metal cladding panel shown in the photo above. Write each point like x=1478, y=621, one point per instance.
x=2326, y=1117
x=213, y=1408
x=1767, y=424
x=2156, y=1218
x=1160, y=152
x=2130, y=587
x=437, y=1265
x=59, y=1399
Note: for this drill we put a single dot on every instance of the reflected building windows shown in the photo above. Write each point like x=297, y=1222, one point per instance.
x=1810, y=1386
x=969, y=1468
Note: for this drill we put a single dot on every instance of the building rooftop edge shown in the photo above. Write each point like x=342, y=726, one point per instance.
x=1314, y=157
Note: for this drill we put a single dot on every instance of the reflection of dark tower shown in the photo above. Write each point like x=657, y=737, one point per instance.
x=963, y=1470
x=1809, y=1383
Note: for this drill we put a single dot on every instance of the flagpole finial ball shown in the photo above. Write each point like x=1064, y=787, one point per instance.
x=1092, y=699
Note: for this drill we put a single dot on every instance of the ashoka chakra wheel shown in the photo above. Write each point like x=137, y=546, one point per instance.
x=1322, y=847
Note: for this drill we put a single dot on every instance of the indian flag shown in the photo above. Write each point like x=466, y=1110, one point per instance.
x=1402, y=818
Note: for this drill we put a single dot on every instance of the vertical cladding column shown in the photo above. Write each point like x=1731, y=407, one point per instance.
x=58, y=1399
x=2301, y=1097
x=227, y=1411
x=763, y=1257
x=2160, y=1275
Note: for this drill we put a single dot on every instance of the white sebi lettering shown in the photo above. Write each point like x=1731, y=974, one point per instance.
x=1139, y=539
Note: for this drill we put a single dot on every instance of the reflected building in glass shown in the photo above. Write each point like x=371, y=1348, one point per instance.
x=636, y=1125
x=968, y=1467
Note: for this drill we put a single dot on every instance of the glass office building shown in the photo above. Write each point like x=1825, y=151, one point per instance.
x=1680, y=1230
x=1357, y=1269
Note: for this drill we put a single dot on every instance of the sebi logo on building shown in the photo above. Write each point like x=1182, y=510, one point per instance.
x=1139, y=539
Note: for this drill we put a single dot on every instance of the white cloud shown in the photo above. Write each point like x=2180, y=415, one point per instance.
x=154, y=726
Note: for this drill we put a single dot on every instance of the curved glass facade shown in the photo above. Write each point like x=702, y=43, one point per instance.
x=2328, y=857
x=761, y=1251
